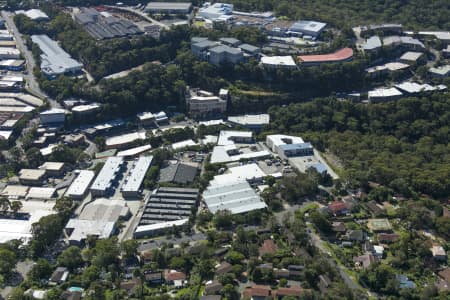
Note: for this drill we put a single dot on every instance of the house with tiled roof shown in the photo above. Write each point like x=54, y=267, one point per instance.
x=338, y=208
x=268, y=247
x=257, y=292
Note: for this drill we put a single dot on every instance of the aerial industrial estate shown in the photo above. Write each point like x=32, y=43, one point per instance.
x=208, y=150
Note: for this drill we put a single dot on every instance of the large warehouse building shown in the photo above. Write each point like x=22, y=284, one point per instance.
x=54, y=60
x=168, y=7
x=103, y=184
x=79, y=187
x=166, y=206
x=132, y=185
x=237, y=197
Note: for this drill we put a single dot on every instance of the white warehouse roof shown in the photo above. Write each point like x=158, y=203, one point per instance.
x=137, y=174
x=239, y=174
x=80, y=185
x=236, y=198
x=125, y=138
x=54, y=60
x=226, y=136
x=107, y=173
x=278, y=61
x=250, y=120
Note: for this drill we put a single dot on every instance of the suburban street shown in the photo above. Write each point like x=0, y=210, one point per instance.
x=32, y=85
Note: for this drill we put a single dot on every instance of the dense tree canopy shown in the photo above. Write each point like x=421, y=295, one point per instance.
x=401, y=144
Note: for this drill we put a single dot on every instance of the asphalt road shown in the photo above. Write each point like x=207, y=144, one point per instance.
x=32, y=85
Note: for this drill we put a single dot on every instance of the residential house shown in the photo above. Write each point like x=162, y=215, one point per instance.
x=153, y=277
x=130, y=285
x=213, y=287
x=339, y=227
x=223, y=268
x=387, y=237
x=356, y=235
x=257, y=292
x=175, y=278
x=364, y=261
x=295, y=270
x=378, y=251
x=71, y=295
x=281, y=273
x=292, y=291
x=374, y=208
x=338, y=208
x=268, y=247
x=438, y=253
x=58, y=276
x=211, y=297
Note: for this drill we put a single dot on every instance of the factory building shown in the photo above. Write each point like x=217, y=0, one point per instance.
x=168, y=8
x=133, y=182
x=104, y=183
x=80, y=186
x=166, y=207
x=237, y=197
x=54, y=60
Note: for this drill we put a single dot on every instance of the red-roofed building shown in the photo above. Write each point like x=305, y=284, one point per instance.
x=176, y=278
x=257, y=292
x=268, y=247
x=343, y=55
x=338, y=208
x=294, y=291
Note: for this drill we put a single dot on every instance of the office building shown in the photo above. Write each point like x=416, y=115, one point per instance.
x=252, y=122
x=54, y=60
x=146, y=118
x=200, y=49
x=278, y=62
x=80, y=186
x=85, y=110
x=131, y=187
x=53, y=169
x=307, y=28
x=41, y=193
x=203, y=104
x=106, y=179
x=31, y=176
x=225, y=54
x=53, y=116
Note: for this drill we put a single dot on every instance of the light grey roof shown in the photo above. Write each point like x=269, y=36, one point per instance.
x=249, y=48
x=80, y=185
x=230, y=40
x=168, y=5
x=224, y=48
x=134, y=180
x=372, y=43
x=54, y=60
x=205, y=44
x=237, y=198
x=107, y=173
x=313, y=26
